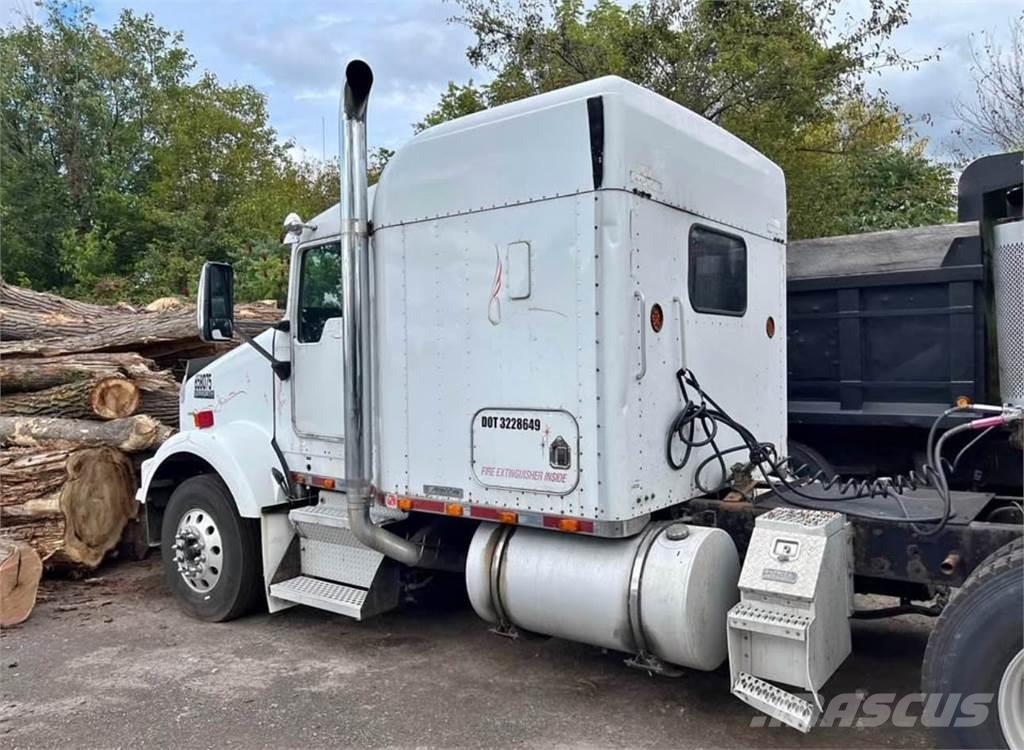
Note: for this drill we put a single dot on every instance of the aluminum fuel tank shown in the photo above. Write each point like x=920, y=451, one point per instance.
x=665, y=591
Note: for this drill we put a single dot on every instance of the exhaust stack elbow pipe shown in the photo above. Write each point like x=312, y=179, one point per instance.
x=358, y=82
x=356, y=307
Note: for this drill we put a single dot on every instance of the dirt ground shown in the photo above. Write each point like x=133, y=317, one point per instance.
x=113, y=662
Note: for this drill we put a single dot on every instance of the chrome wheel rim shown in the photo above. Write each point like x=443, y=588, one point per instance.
x=1011, y=702
x=198, y=553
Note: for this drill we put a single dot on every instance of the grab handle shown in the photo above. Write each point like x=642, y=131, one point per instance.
x=638, y=295
x=682, y=334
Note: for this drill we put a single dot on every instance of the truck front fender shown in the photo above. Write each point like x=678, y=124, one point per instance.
x=240, y=453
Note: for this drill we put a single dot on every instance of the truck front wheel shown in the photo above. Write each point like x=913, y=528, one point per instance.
x=211, y=556
x=977, y=649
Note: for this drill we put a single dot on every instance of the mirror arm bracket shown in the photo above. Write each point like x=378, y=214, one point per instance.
x=283, y=370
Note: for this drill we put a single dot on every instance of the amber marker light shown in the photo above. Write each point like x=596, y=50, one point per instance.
x=657, y=317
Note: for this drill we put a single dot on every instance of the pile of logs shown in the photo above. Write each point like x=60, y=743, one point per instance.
x=34, y=324
x=86, y=392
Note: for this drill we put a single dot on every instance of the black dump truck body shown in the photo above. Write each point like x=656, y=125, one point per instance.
x=889, y=329
x=886, y=328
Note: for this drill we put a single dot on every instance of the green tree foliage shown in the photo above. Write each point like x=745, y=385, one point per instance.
x=457, y=101
x=122, y=171
x=379, y=159
x=784, y=75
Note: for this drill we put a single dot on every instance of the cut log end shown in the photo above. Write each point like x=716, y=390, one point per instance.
x=97, y=500
x=70, y=505
x=114, y=398
x=20, y=571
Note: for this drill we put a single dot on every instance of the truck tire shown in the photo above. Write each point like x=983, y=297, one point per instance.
x=211, y=556
x=809, y=462
x=976, y=643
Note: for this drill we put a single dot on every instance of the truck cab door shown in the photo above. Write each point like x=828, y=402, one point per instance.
x=316, y=344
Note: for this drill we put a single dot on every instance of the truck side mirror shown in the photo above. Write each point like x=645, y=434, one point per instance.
x=215, y=308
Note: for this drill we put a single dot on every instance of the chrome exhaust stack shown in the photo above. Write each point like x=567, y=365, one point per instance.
x=356, y=307
x=355, y=275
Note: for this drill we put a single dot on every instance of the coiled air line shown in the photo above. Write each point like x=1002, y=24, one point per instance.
x=704, y=412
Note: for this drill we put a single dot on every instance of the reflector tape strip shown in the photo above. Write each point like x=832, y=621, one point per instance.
x=489, y=514
x=566, y=524
x=429, y=506
x=500, y=515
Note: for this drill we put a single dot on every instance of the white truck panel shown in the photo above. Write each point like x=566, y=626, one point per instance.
x=509, y=283
x=454, y=341
x=581, y=344
x=238, y=389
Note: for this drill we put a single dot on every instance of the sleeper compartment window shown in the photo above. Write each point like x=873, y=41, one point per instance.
x=717, y=272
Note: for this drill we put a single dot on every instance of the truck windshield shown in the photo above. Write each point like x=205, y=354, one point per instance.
x=319, y=290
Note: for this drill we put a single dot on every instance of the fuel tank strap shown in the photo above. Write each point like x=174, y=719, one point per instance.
x=643, y=658
x=505, y=626
x=636, y=575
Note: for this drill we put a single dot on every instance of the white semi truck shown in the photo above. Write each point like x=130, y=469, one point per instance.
x=492, y=364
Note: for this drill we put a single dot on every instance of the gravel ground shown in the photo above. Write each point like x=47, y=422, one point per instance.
x=112, y=662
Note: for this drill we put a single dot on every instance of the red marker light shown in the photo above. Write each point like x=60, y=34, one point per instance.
x=203, y=419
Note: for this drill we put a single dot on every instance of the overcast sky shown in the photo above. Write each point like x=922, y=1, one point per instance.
x=294, y=53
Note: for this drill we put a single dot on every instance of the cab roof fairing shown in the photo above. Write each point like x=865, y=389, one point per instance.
x=540, y=148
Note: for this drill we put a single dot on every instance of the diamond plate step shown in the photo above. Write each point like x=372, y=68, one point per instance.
x=329, y=548
x=775, y=702
x=334, y=516
x=313, y=592
x=764, y=618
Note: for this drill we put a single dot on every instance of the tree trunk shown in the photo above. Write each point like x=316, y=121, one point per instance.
x=109, y=398
x=27, y=314
x=38, y=373
x=255, y=317
x=162, y=404
x=20, y=325
x=148, y=334
x=20, y=298
x=70, y=505
x=20, y=571
x=131, y=434
x=33, y=324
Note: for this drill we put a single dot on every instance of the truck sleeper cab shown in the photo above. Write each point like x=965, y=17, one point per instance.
x=479, y=365
x=540, y=272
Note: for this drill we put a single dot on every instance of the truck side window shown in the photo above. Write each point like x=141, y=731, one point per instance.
x=319, y=290
x=718, y=272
